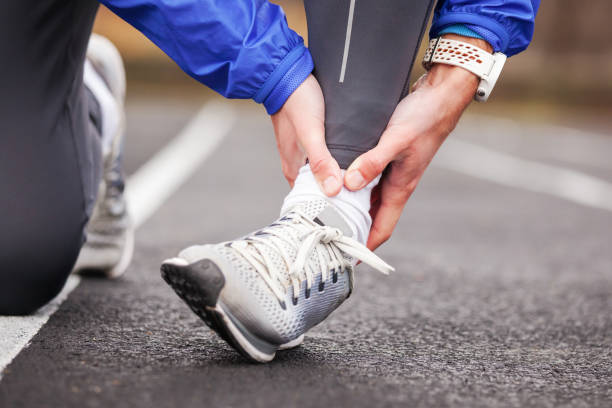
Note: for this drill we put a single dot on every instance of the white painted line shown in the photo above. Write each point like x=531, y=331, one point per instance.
x=543, y=141
x=18, y=331
x=146, y=191
x=509, y=170
x=162, y=175
x=347, y=40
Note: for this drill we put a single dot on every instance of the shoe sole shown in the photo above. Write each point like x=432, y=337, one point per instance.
x=199, y=285
x=87, y=266
x=126, y=257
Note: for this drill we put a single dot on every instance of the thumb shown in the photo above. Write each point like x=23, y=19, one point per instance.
x=323, y=166
x=367, y=167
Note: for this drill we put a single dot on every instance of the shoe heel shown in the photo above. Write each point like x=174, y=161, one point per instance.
x=198, y=284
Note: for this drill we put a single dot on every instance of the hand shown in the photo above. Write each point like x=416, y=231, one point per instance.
x=299, y=127
x=417, y=128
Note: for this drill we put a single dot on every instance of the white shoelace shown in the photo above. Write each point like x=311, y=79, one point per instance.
x=311, y=240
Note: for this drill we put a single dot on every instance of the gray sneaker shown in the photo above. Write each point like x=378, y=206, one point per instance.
x=262, y=292
x=110, y=233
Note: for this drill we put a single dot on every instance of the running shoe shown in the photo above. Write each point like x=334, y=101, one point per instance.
x=262, y=292
x=110, y=233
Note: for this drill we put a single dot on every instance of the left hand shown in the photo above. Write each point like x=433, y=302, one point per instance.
x=417, y=128
x=299, y=127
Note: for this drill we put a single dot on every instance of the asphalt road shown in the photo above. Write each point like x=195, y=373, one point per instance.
x=502, y=297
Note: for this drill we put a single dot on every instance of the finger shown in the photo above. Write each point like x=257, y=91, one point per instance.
x=369, y=165
x=384, y=223
x=393, y=198
x=290, y=172
x=323, y=166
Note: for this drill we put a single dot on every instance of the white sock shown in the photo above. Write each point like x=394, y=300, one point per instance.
x=354, y=205
x=108, y=106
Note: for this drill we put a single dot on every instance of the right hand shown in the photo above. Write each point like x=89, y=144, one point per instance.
x=299, y=127
x=418, y=127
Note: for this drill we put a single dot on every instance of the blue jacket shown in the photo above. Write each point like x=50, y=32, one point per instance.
x=506, y=24
x=244, y=48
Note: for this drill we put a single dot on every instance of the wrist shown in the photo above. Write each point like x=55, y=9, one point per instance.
x=456, y=82
x=454, y=79
x=287, y=77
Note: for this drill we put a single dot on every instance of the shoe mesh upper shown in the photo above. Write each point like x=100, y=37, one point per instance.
x=294, y=320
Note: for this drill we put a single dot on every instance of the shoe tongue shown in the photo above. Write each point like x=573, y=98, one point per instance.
x=330, y=216
x=321, y=212
x=324, y=213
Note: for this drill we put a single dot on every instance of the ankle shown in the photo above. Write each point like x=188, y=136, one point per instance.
x=353, y=205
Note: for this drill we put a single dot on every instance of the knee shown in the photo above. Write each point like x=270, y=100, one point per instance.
x=27, y=284
x=33, y=270
x=25, y=298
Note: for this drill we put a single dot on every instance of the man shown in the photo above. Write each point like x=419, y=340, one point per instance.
x=263, y=291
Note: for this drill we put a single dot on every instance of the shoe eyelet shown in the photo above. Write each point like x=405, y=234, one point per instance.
x=307, y=293
x=295, y=301
x=334, y=276
x=321, y=286
x=283, y=305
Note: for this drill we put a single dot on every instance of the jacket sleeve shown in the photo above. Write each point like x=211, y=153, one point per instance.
x=506, y=24
x=240, y=48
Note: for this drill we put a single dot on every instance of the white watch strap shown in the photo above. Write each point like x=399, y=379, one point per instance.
x=476, y=60
x=453, y=52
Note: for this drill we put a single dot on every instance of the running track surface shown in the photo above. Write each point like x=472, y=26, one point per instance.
x=502, y=295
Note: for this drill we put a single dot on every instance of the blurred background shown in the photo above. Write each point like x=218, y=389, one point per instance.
x=503, y=290
x=564, y=77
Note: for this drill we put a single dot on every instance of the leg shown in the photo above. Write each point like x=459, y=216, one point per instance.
x=363, y=52
x=49, y=148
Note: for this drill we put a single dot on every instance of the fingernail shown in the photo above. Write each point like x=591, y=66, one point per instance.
x=330, y=185
x=355, y=180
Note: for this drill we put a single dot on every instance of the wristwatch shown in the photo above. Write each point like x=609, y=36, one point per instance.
x=483, y=64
